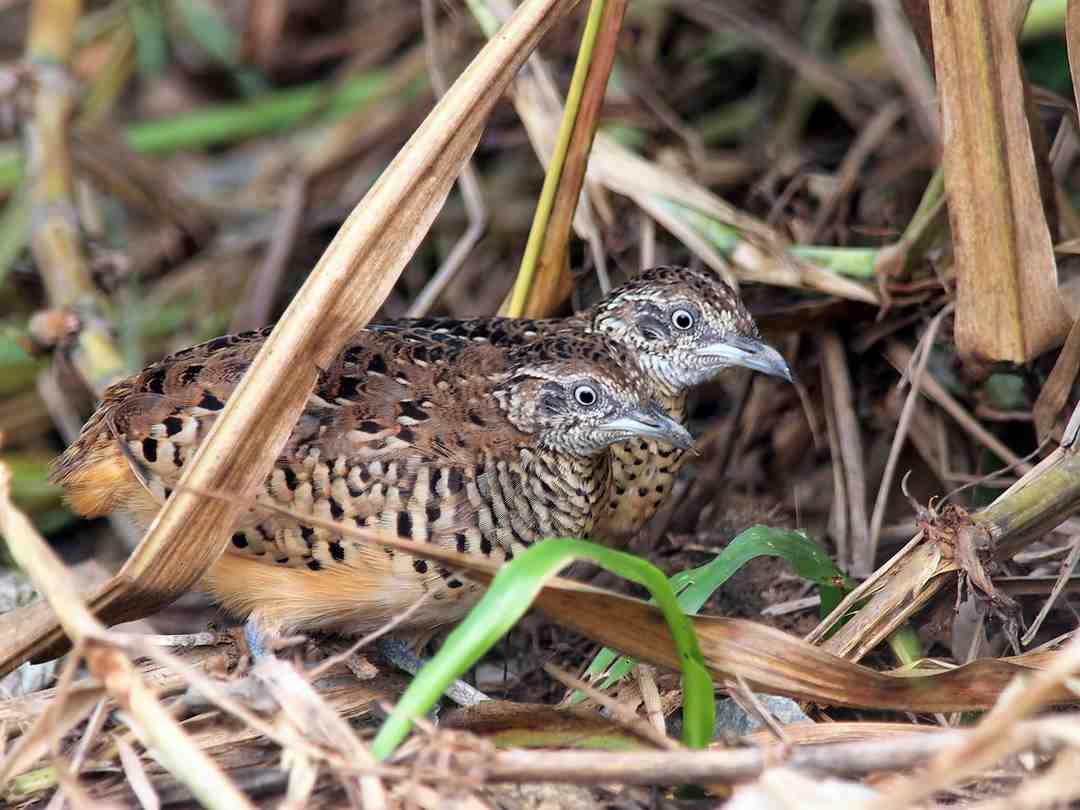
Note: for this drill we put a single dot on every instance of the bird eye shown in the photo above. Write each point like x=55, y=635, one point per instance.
x=683, y=319
x=585, y=395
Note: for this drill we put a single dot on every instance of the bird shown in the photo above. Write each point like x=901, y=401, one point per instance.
x=681, y=328
x=471, y=446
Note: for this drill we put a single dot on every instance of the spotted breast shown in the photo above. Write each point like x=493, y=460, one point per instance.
x=428, y=435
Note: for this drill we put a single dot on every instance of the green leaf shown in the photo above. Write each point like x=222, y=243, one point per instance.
x=508, y=597
x=18, y=370
x=1007, y=392
x=151, y=47
x=209, y=28
x=694, y=587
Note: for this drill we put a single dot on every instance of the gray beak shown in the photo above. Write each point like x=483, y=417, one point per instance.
x=652, y=423
x=750, y=353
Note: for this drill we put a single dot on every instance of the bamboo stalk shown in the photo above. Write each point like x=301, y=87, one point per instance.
x=54, y=236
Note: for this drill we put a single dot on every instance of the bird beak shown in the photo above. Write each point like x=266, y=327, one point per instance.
x=750, y=353
x=651, y=422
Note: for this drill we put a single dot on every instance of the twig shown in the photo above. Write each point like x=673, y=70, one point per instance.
x=922, y=352
x=868, y=139
x=183, y=641
x=154, y=726
x=909, y=66
x=900, y=356
x=705, y=767
x=840, y=92
x=1062, y=580
x=621, y=714
x=744, y=696
x=836, y=381
x=93, y=728
x=468, y=183
x=345, y=655
x=254, y=309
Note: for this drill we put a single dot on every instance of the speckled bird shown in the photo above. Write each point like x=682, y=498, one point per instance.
x=469, y=445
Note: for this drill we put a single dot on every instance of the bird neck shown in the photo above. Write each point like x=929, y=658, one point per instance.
x=673, y=403
x=539, y=494
x=580, y=479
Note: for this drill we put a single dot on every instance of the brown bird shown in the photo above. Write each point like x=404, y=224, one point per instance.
x=471, y=446
x=681, y=328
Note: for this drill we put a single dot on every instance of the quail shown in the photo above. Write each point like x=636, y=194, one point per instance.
x=681, y=328
x=476, y=447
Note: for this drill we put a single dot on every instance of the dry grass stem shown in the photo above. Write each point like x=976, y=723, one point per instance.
x=154, y=726
x=840, y=409
x=1060, y=584
x=253, y=311
x=870, y=138
x=902, y=50
x=840, y=92
x=1007, y=303
x=468, y=184
x=901, y=358
x=55, y=240
x=620, y=713
x=922, y=352
x=552, y=283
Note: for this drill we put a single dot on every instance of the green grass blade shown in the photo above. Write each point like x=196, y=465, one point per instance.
x=853, y=262
x=694, y=587
x=208, y=27
x=510, y=594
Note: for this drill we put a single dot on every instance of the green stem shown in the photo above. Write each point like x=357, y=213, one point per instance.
x=527, y=272
x=1044, y=17
x=228, y=123
x=905, y=645
x=508, y=597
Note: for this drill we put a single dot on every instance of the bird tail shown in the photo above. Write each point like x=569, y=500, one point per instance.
x=99, y=476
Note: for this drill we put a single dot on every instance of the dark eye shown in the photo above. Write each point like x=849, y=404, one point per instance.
x=585, y=395
x=683, y=319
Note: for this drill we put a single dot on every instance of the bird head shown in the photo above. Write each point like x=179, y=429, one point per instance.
x=684, y=327
x=579, y=401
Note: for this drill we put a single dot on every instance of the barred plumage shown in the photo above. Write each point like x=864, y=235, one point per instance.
x=428, y=436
